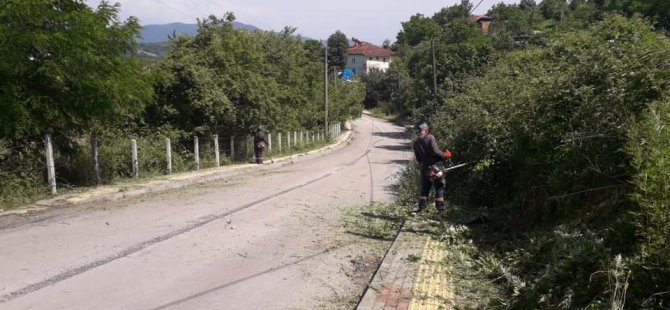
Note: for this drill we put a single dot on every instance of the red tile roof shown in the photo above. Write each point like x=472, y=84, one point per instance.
x=369, y=50
x=478, y=18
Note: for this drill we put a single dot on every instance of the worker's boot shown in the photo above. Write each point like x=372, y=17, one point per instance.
x=423, y=204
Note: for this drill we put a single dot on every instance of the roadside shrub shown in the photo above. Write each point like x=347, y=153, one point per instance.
x=649, y=147
x=550, y=128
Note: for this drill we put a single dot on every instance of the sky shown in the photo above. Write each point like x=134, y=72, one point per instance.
x=368, y=20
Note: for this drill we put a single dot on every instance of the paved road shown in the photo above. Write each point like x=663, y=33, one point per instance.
x=270, y=239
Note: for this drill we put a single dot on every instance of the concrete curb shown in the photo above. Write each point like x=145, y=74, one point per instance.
x=133, y=189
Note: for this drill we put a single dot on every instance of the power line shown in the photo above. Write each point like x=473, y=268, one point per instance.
x=476, y=6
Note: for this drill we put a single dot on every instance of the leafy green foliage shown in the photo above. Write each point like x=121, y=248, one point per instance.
x=64, y=68
x=73, y=72
x=550, y=127
x=338, y=44
x=228, y=80
x=418, y=29
x=649, y=147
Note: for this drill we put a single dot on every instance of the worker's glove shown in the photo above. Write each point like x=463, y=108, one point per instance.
x=447, y=154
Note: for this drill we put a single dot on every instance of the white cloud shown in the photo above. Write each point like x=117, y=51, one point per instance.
x=369, y=20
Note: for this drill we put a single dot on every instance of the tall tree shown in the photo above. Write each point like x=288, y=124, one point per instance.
x=527, y=5
x=554, y=9
x=419, y=28
x=314, y=50
x=337, y=50
x=449, y=14
x=65, y=67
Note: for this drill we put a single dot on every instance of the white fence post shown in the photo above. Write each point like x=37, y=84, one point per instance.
x=279, y=138
x=136, y=166
x=168, y=150
x=217, y=157
x=288, y=139
x=51, y=168
x=269, y=142
x=232, y=148
x=196, y=152
x=295, y=139
x=96, y=159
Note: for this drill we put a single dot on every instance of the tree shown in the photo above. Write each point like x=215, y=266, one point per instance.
x=419, y=28
x=554, y=9
x=449, y=14
x=228, y=80
x=527, y=5
x=338, y=44
x=65, y=67
x=658, y=9
x=314, y=50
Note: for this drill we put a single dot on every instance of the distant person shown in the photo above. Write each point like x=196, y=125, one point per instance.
x=260, y=143
x=427, y=154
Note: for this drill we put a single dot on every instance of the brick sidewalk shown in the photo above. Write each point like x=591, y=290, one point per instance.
x=411, y=276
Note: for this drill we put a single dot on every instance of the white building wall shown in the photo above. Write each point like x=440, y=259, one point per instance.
x=356, y=63
x=362, y=64
x=378, y=64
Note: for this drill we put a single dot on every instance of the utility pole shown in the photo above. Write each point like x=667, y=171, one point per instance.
x=432, y=47
x=325, y=90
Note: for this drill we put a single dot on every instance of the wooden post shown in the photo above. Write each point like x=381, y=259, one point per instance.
x=196, y=152
x=269, y=142
x=295, y=139
x=136, y=166
x=51, y=168
x=217, y=158
x=95, y=159
x=168, y=150
x=288, y=139
x=232, y=148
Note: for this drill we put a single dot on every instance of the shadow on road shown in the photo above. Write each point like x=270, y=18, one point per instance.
x=403, y=148
x=392, y=135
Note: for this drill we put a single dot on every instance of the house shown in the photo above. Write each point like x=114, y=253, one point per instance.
x=363, y=57
x=483, y=21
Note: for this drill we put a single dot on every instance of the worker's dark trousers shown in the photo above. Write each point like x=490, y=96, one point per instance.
x=426, y=185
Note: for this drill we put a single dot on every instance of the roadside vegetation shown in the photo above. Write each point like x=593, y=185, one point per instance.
x=562, y=109
x=74, y=72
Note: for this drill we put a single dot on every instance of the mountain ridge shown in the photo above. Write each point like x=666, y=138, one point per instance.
x=157, y=33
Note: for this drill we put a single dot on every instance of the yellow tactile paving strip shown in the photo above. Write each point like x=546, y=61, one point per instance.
x=432, y=289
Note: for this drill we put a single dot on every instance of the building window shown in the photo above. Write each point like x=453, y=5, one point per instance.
x=370, y=58
x=354, y=70
x=353, y=60
x=384, y=59
x=377, y=58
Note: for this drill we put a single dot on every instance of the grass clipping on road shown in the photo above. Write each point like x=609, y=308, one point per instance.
x=378, y=221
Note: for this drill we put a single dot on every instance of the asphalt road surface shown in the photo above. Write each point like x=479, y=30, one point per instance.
x=269, y=239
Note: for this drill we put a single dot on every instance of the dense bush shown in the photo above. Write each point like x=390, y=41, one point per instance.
x=550, y=128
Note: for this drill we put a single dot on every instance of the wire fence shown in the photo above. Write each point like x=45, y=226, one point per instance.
x=109, y=159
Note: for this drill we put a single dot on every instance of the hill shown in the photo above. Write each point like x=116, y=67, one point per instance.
x=160, y=33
